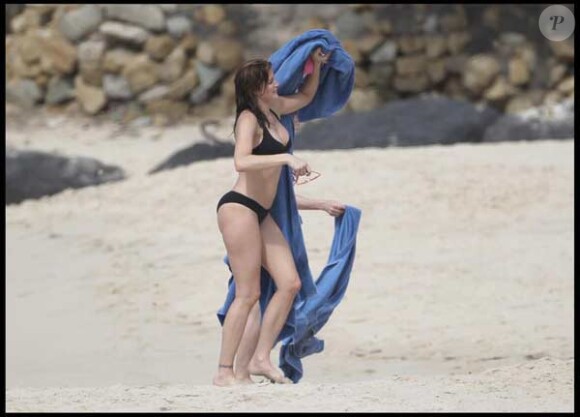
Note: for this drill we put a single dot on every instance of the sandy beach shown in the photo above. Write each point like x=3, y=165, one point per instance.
x=461, y=297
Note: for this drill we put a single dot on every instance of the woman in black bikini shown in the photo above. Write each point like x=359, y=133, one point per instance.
x=251, y=237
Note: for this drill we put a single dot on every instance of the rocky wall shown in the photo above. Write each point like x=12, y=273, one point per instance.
x=166, y=61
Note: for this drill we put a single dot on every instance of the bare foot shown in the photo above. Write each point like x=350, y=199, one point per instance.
x=266, y=369
x=246, y=380
x=224, y=380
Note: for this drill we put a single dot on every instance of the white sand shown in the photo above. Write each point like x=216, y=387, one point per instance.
x=461, y=296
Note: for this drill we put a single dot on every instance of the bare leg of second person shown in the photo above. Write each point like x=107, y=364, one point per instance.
x=278, y=261
x=248, y=346
x=241, y=235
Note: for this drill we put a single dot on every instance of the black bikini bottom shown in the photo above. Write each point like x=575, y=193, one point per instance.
x=235, y=197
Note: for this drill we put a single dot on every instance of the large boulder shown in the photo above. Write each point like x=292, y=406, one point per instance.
x=410, y=122
x=34, y=174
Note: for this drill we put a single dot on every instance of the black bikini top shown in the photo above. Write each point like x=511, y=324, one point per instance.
x=269, y=145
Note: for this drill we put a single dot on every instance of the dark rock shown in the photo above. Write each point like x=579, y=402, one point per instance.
x=34, y=174
x=410, y=122
x=194, y=153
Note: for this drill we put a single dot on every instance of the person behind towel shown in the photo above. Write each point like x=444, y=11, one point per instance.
x=251, y=237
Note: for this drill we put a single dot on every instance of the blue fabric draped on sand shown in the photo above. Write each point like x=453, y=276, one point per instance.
x=316, y=300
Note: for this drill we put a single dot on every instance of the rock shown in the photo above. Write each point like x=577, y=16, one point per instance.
x=361, y=78
x=35, y=174
x=545, y=122
x=525, y=101
x=553, y=97
x=209, y=78
x=169, y=8
x=116, y=60
x=24, y=93
x=567, y=85
x=141, y=73
x=410, y=65
x=352, y=48
x=512, y=39
x=189, y=43
x=27, y=20
x=395, y=124
x=519, y=73
x=499, y=90
x=480, y=71
x=350, y=25
x=59, y=56
x=29, y=48
x=385, y=53
x=213, y=14
x=364, y=100
x=436, y=70
x=92, y=99
x=206, y=53
x=435, y=46
x=172, y=68
x=77, y=24
x=556, y=74
x=133, y=35
x=117, y=87
x=380, y=75
x=369, y=43
x=178, y=26
x=453, y=22
x=229, y=54
x=456, y=64
x=148, y=16
x=457, y=41
x=411, y=83
x=159, y=47
x=564, y=50
x=59, y=90
x=91, y=53
x=180, y=88
x=156, y=93
x=411, y=44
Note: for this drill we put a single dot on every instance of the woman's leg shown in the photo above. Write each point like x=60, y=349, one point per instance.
x=278, y=261
x=248, y=345
x=241, y=235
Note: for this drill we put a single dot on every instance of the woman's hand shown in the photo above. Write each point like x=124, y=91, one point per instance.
x=334, y=208
x=298, y=166
x=319, y=57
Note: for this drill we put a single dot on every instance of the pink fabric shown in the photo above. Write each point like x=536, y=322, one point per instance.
x=308, y=67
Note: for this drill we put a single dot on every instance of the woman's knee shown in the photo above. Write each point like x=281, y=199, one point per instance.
x=292, y=287
x=248, y=298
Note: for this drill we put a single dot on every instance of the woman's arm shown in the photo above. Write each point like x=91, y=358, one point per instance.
x=334, y=208
x=293, y=103
x=244, y=160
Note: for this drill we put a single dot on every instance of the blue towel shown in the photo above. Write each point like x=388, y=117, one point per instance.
x=316, y=300
x=336, y=76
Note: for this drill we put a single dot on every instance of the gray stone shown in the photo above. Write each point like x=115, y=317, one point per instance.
x=209, y=78
x=148, y=16
x=178, y=26
x=117, y=87
x=387, y=52
x=59, y=90
x=35, y=174
x=350, y=25
x=91, y=53
x=23, y=92
x=125, y=33
x=77, y=24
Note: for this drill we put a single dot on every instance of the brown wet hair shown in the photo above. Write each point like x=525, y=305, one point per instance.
x=251, y=78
